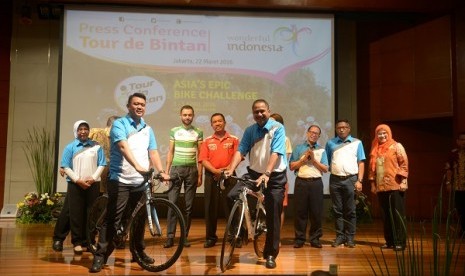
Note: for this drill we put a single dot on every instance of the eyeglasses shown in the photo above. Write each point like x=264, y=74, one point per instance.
x=313, y=133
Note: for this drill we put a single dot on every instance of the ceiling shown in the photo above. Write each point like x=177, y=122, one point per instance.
x=420, y=6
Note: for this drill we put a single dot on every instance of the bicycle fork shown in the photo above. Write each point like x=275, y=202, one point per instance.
x=152, y=216
x=248, y=219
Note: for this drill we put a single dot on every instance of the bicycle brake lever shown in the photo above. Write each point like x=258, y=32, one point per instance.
x=222, y=184
x=263, y=184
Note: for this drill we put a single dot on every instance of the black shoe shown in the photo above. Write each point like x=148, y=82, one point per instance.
x=350, y=244
x=316, y=244
x=209, y=243
x=239, y=242
x=399, y=248
x=169, y=243
x=386, y=246
x=187, y=243
x=146, y=258
x=270, y=262
x=97, y=265
x=120, y=244
x=339, y=241
x=298, y=244
x=57, y=246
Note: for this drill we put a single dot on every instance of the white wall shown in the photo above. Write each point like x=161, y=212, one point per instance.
x=33, y=94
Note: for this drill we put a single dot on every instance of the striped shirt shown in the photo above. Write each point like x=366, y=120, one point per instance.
x=186, y=141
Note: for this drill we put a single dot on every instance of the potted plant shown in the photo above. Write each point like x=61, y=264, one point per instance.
x=42, y=205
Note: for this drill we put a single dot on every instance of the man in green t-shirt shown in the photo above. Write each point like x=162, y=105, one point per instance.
x=181, y=160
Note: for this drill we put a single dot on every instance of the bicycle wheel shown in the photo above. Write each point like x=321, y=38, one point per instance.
x=231, y=235
x=260, y=233
x=153, y=246
x=95, y=221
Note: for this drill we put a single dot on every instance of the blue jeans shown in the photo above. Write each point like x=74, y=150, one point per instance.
x=342, y=195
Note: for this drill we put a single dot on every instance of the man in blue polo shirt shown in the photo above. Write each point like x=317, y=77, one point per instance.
x=133, y=152
x=346, y=160
x=265, y=143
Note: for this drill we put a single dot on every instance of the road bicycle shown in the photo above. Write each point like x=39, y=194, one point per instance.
x=151, y=220
x=243, y=224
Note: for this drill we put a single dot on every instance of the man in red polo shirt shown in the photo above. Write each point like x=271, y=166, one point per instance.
x=216, y=154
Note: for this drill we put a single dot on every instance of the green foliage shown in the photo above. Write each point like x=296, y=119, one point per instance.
x=35, y=209
x=362, y=208
x=39, y=148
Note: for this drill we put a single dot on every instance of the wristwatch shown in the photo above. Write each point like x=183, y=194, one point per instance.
x=268, y=173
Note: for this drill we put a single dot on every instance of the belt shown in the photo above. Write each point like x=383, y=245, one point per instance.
x=343, y=177
x=310, y=178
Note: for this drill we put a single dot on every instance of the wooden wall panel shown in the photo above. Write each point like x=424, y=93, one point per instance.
x=433, y=76
x=459, y=65
x=395, y=101
x=433, y=98
x=397, y=66
x=417, y=63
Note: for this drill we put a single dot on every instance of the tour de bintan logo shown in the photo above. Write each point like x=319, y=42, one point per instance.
x=152, y=89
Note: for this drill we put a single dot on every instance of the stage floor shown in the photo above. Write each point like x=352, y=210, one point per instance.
x=26, y=250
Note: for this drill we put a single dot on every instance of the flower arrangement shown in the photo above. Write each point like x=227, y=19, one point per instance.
x=39, y=209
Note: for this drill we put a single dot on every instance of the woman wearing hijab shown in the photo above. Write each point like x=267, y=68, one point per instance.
x=83, y=161
x=388, y=174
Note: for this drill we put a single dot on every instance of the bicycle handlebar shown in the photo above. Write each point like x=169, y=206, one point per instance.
x=249, y=181
x=171, y=179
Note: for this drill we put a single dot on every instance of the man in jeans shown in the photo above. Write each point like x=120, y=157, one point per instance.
x=346, y=160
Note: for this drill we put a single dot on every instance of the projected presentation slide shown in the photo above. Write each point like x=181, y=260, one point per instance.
x=213, y=61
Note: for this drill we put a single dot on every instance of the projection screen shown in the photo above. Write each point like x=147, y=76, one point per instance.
x=215, y=61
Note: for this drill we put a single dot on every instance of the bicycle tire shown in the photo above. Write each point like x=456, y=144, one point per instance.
x=231, y=234
x=95, y=220
x=260, y=233
x=153, y=246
